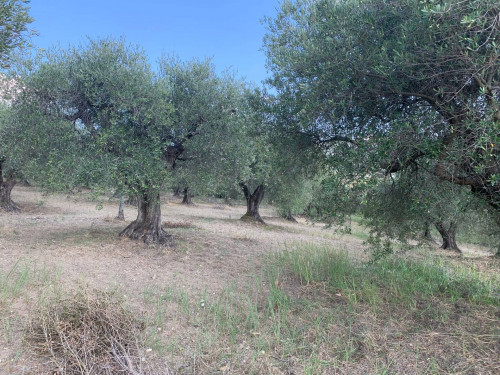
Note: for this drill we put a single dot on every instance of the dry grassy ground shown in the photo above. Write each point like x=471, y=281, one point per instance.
x=220, y=302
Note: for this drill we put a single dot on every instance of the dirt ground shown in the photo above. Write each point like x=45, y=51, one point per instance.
x=212, y=249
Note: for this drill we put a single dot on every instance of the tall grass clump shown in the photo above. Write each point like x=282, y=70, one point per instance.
x=312, y=264
x=14, y=281
x=406, y=278
x=393, y=279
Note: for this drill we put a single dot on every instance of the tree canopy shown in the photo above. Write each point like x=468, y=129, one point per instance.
x=130, y=128
x=210, y=122
x=419, y=81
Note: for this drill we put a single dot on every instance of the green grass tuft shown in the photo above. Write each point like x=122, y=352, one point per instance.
x=21, y=276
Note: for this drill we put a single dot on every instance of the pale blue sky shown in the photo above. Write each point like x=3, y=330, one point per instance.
x=230, y=31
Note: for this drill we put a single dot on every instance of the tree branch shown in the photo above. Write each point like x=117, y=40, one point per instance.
x=246, y=192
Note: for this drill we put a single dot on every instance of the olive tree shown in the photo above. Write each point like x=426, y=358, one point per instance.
x=359, y=69
x=406, y=205
x=294, y=167
x=283, y=159
x=108, y=100
x=210, y=119
x=31, y=151
x=8, y=166
x=14, y=34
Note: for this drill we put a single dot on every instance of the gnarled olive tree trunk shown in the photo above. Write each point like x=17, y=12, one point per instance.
x=497, y=220
x=147, y=226
x=6, y=185
x=253, y=203
x=6, y=202
x=448, y=235
x=186, y=199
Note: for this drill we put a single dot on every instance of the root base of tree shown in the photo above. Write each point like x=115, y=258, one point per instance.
x=252, y=219
x=455, y=249
x=147, y=235
x=10, y=207
x=187, y=197
x=448, y=236
x=6, y=203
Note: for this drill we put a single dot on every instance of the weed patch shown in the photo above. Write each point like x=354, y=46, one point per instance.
x=20, y=277
x=312, y=310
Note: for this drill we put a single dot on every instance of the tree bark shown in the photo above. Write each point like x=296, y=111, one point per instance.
x=121, y=214
x=448, y=236
x=147, y=226
x=187, y=196
x=253, y=203
x=6, y=185
x=177, y=191
x=497, y=220
x=6, y=202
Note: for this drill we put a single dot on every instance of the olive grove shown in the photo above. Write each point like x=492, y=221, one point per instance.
x=131, y=127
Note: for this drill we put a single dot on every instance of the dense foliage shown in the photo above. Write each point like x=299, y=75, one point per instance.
x=14, y=34
x=112, y=122
x=414, y=84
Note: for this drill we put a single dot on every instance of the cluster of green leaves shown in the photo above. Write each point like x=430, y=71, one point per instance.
x=405, y=206
x=14, y=32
